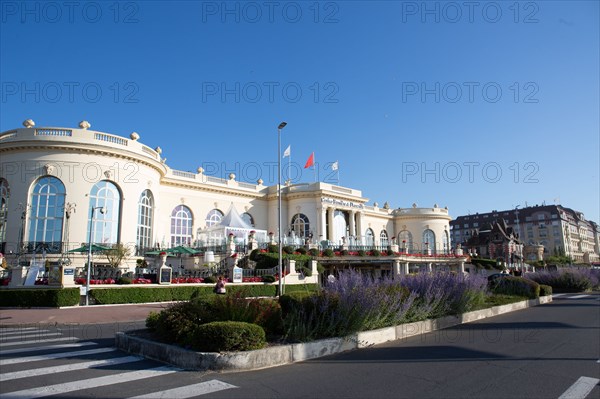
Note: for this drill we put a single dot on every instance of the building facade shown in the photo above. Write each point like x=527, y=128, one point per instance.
x=560, y=230
x=61, y=186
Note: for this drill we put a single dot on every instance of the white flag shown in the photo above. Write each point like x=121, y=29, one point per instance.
x=334, y=166
x=288, y=151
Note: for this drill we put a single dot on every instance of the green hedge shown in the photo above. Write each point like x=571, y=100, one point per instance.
x=517, y=286
x=107, y=296
x=40, y=297
x=222, y=336
x=545, y=290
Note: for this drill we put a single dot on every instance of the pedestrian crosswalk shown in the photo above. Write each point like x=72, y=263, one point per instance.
x=572, y=296
x=31, y=367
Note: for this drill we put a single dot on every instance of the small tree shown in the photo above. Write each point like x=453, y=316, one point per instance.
x=117, y=254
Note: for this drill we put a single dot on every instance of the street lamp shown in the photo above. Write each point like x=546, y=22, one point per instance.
x=279, y=268
x=89, y=262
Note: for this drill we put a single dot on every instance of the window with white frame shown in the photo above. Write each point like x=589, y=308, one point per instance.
x=181, y=226
x=47, y=211
x=105, y=195
x=145, y=219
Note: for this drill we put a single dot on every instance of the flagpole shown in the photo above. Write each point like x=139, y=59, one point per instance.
x=315, y=167
x=338, y=172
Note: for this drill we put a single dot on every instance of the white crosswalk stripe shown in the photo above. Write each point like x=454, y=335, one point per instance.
x=32, y=379
x=5, y=344
x=90, y=383
x=580, y=296
x=19, y=360
x=188, y=391
x=20, y=335
x=68, y=367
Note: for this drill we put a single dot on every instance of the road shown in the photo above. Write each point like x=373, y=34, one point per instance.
x=549, y=351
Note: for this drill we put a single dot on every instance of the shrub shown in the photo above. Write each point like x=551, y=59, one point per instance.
x=254, y=254
x=301, y=250
x=238, y=307
x=269, y=278
x=293, y=301
x=313, y=252
x=210, y=280
x=221, y=336
x=176, y=323
x=50, y=297
x=344, y=252
x=361, y=252
x=123, y=280
x=273, y=249
x=517, y=286
x=545, y=290
x=375, y=252
x=328, y=253
x=288, y=249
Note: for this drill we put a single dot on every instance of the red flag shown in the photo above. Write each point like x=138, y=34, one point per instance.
x=311, y=161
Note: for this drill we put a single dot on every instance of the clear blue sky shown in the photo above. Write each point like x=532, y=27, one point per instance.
x=497, y=104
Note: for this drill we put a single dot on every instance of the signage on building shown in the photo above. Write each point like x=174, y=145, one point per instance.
x=237, y=274
x=347, y=204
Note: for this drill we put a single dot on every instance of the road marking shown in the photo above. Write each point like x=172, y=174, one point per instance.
x=580, y=296
x=189, y=391
x=12, y=329
x=5, y=344
x=33, y=334
x=558, y=295
x=19, y=332
x=68, y=367
x=582, y=388
x=90, y=383
x=19, y=360
x=45, y=347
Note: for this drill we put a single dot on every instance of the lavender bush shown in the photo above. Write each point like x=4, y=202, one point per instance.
x=569, y=279
x=357, y=302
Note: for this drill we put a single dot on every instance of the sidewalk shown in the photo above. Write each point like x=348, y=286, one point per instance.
x=95, y=314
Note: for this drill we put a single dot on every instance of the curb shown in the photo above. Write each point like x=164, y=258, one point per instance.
x=286, y=354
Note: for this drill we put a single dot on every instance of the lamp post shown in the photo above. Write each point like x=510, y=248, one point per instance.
x=89, y=261
x=279, y=268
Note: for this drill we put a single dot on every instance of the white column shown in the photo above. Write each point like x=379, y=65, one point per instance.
x=405, y=269
x=429, y=267
x=352, y=229
x=396, y=268
x=359, y=227
x=330, y=221
x=322, y=233
x=461, y=267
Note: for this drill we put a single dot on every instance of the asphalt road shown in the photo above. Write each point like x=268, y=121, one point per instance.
x=540, y=352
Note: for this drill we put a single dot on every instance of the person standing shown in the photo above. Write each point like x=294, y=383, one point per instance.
x=220, y=287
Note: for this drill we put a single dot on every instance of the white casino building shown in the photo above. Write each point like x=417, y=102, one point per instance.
x=52, y=177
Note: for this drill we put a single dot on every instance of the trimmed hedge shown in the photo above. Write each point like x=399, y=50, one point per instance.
x=145, y=294
x=517, y=286
x=42, y=297
x=222, y=336
x=545, y=290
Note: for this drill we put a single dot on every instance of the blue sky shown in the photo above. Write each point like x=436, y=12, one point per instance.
x=430, y=102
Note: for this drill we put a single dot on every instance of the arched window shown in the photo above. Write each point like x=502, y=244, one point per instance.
x=181, y=226
x=300, y=225
x=105, y=194
x=145, y=220
x=214, y=217
x=47, y=213
x=369, y=237
x=246, y=217
x=405, y=240
x=428, y=241
x=4, y=194
x=383, y=238
x=446, y=242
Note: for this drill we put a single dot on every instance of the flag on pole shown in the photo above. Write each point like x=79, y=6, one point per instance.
x=311, y=161
x=288, y=151
x=334, y=166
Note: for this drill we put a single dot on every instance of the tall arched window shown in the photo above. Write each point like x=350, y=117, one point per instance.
x=214, y=217
x=300, y=225
x=145, y=220
x=246, y=217
x=369, y=237
x=47, y=213
x=105, y=194
x=383, y=238
x=405, y=240
x=4, y=194
x=428, y=241
x=446, y=242
x=181, y=226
